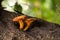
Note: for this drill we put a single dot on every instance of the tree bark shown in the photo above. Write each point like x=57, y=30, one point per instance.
x=39, y=30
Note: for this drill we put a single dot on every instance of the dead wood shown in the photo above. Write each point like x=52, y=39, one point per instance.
x=40, y=29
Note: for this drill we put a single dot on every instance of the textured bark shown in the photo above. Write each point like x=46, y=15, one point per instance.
x=40, y=30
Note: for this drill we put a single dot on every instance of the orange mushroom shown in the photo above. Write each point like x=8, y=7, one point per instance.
x=22, y=19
